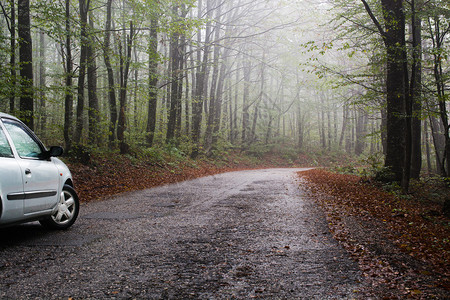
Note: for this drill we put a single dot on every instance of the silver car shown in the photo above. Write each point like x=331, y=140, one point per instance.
x=34, y=184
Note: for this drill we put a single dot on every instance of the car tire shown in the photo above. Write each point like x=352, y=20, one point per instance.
x=66, y=212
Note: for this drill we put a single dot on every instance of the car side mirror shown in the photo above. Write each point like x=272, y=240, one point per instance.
x=55, y=151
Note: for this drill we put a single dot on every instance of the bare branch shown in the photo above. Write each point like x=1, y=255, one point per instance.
x=374, y=19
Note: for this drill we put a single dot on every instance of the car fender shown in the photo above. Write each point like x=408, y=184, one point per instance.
x=64, y=173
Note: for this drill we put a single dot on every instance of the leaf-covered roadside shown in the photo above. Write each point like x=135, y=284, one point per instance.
x=401, y=244
x=107, y=175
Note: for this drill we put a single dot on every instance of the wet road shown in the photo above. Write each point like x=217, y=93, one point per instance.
x=249, y=234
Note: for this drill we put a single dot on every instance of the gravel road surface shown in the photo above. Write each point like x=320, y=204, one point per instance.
x=238, y=235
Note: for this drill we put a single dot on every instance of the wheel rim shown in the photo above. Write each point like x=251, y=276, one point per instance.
x=65, y=209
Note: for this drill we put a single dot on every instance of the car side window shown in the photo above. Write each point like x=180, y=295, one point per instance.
x=5, y=148
x=25, y=144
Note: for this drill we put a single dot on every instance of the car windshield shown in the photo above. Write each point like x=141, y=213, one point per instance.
x=5, y=148
x=25, y=144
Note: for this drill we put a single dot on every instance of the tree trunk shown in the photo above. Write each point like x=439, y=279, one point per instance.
x=42, y=110
x=26, y=63
x=395, y=86
x=393, y=36
x=440, y=88
x=135, y=88
x=68, y=103
x=322, y=123
x=214, y=80
x=197, y=105
x=235, y=111
x=84, y=8
x=394, y=40
x=300, y=127
x=252, y=137
x=361, y=131
x=153, y=81
x=427, y=147
x=93, y=113
x=111, y=89
x=439, y=143
x=12, y=59
x=383, y=129
x=344, y=124
x=174, y=95
x=181, y=64
x=416, y=94
x=245, y=100
x=219, y=97
x=187, y=123
x=125, y=60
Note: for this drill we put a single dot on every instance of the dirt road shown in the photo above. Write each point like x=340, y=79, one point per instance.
x=249, y=234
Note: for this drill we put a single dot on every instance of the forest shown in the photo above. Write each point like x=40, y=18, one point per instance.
x=364, y=77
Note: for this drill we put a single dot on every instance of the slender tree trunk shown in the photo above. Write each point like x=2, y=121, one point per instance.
x=245, y=100
x=200, y=81
x=329, y=129
x=94, y=112
x=439, y=143
x=372, y=139
x=438, y=40
x=26, y=63
x=416, y=93
x=42, y=110
x=187, y=123
x=300, y=127
x=125, y=60
x=344, y=123
x=383, y=129
x=322, y=123
x=335, y=119
x=219, y=98
x=84, y=8
x=175, y=97
x=236, y=97
x=361, y=131
x=427, y=147
x=214, y=80
x=252, y=137
x=261, y=98
x=181, y=64
x=12, y=59
x=111, y=83
x=193, y=85
x=68, y=103
x=135, y=88
x=153, y=81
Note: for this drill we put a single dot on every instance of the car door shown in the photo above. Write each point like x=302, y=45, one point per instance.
x=40, y=175
x=10, y=182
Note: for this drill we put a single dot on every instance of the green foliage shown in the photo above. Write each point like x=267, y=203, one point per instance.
x=367, y=167
x=385, y=175
x=80, y=153
x=175, y=152
x=349, y=170
x=394, y=188
x=152, y=155
x=374, y=163
x=221, y=148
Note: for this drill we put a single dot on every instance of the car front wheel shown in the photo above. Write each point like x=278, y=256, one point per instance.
x=66, y=212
